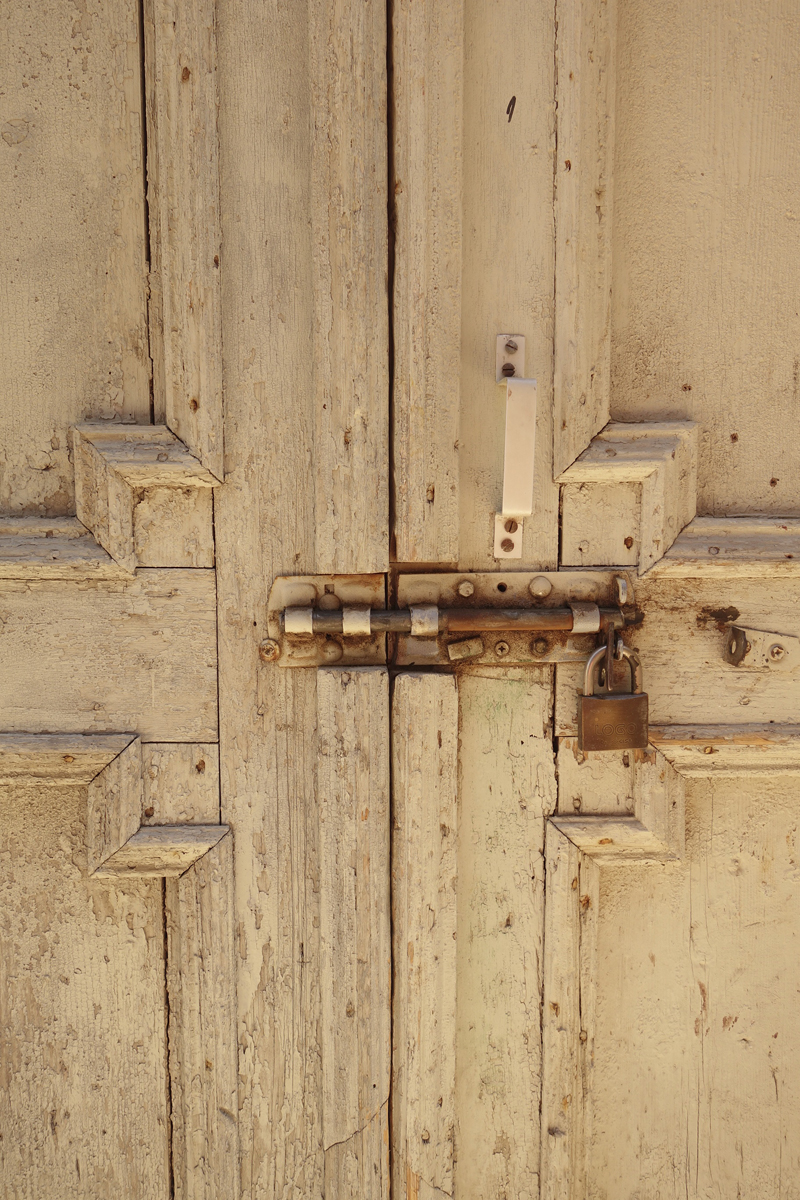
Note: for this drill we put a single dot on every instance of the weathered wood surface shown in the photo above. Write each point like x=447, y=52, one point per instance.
x=355, y=923
x=83, y=1081
x=278, y=360
x=54, y=759
x=150, y=669
x=705, y=324
x=203, y=1051
x=73, y=302
x=35, y=548
x=424, y=927
x=681, y=643
x=695, y=1042
x=507, y=778
x=427, y=97
x=145, y=498
x=729, y=749
x=585, y=103
x=629, y=495
x=180, y=783
x=507, y=263
x=561, y=1086
x=760, y=547
x=114, y=806
x=161, y=851
x=183, y=208
x=348, y=367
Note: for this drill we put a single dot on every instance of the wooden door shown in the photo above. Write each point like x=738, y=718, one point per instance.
x=374, y=925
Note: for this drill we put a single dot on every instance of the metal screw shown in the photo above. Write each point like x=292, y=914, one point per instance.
x=511, y=346
x=506, y=545
x=511, y=526
x=465, y=588
x=508, y=369
x=269, y=650
x=539, y=646
x=777, y=652
x=501, y=649
x=540, y=586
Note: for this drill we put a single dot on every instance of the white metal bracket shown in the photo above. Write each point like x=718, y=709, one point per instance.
x=518, y=462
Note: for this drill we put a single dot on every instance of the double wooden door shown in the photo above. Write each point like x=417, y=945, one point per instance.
x=376, y=926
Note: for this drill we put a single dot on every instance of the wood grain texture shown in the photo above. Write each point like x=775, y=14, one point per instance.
x=151, y=668
x=507, y=780
x=760, y=547
x=185, y=234
x=160, y=851
x=73, y=301
x=180, y=783
x=427, y=98
x=53, y=759
x=690, y=1081
x=83, y=1081
x=424, y=919
x=660, y=459
x=705, y=324
x=349, y=367
x=145, y=498
x=203, y=1059
x=265, y=521
x=35, y=548
x=114, y=806
x=561, y=1106
x=355, y=920
x=584, y=175
x=697, y=750
x=507, y=263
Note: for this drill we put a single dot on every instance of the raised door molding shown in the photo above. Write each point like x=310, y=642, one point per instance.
x=146, y=499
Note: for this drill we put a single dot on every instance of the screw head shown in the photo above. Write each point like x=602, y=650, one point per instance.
x=269, y=650
x=511, y=526
x=506, y=545
x=501, y=649
x=713, y=549
x=508, y=369
x=540, y=587
x=331, y=650
x=777, y=652
x=539, y=646
x=465, y=588
x=511, y=346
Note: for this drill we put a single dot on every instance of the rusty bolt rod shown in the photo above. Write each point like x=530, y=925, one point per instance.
x=470, y=620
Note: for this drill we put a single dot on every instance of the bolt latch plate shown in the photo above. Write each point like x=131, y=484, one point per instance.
x=759, y=648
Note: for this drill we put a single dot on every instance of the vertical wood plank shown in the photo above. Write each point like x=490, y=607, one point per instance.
x=185, y=236
x=561, y=1019
x=355, y=933
x=427, y=63
x=508, y=785
x=203, y=1059
x=424, y=869
x=349, y=230
x=585, y=90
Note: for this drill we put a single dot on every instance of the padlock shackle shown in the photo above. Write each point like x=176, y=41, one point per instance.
x=596, y=657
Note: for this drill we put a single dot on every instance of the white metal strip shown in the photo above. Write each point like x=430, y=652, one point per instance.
x=520, y=447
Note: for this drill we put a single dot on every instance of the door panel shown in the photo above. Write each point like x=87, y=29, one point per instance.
x=84, y=1099
x=696, y=1051
x=73, y=257
x=705, y=316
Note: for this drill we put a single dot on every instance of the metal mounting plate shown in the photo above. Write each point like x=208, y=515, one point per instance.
x=498, y=589
x=326, y=591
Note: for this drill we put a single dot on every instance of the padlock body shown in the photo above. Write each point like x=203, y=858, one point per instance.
x=615, y=721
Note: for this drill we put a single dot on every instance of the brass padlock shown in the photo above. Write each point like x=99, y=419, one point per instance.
x=612, y=720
